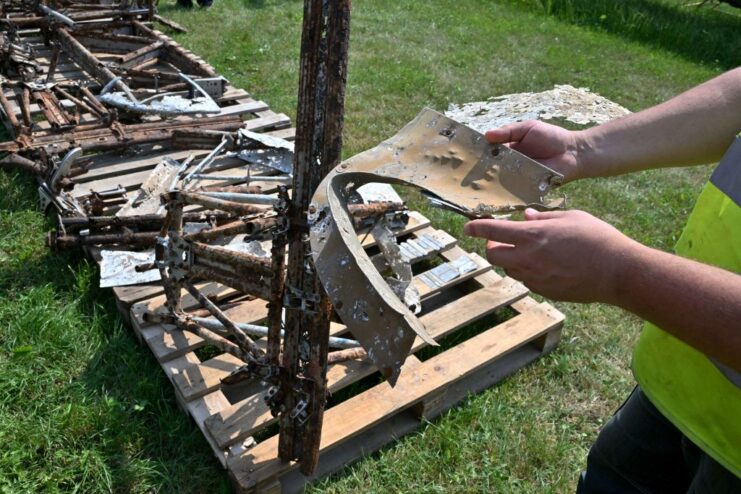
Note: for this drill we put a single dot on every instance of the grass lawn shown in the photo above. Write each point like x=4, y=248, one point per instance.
x=83, y=408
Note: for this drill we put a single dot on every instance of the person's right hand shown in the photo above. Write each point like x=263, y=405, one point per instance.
x=555, y=147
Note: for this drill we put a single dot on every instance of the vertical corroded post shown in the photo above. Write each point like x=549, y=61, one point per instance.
x=319, y=122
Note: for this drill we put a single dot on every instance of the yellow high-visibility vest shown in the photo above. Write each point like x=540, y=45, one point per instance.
x=699, y=395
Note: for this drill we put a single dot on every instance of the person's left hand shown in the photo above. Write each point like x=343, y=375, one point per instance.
x=563, y=255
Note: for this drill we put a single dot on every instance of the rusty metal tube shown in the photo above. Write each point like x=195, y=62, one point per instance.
x=16, y=161
x=346, y=354
x=375, y=208
x=234, y=259
x=244, y=341
x=261, y=331
x=214, y=203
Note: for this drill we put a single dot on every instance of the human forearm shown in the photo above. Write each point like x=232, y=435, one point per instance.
x=693, y=128
x=573, y=256
x=697, y=303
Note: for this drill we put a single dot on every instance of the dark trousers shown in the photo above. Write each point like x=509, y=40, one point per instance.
x=639, y=450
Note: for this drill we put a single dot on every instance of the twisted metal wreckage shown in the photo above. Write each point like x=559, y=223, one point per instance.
x=227, y=216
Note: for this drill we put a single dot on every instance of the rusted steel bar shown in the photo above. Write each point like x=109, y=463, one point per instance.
x=177, y=54
x=345, y=355
x=249, y=227
x=93, y=101
x=143, y=54
x=16, y=161
x=125, y=135
x=150, y=74
x=78, y=103
x=277, y=282
x=214, y=339
x=171, y=24
x=24, y=102
x=201, y=312
x=258, y=288
x=52, y=114
x=213, y=203
x=87, y=60
x=323, y=68
x=56, y=240
x=54, y=101
x=237, y=189
x=201, y=139
x=8, y=110
x=360, y=211
x=240, y=261
x=251, y=351
x=261, y=331
x=146, y=221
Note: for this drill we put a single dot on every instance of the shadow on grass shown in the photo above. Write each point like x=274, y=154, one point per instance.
x=704, y=35
x=171, y=454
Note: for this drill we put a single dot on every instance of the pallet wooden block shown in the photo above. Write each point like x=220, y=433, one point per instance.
x=231, y=419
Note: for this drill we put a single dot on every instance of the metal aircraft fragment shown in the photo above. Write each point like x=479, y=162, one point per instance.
x=458, y=170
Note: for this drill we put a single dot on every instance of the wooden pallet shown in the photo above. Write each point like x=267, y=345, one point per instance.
x=231, y=418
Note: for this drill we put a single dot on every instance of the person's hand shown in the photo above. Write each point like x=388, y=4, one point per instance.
x=563, y=255
x=555, y=147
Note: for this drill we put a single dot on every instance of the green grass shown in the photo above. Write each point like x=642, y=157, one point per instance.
x=84, y=409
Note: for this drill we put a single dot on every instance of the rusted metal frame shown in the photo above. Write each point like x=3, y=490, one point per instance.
x=134, y=134
x=56, y=240
x=171, y=229
x=139, y=75
x=277, y=284
x=211, y=337
x=241, y=262
x=251, y=351
x=16, y=161
x=346, y=354
x=89, y=62
x=258, y=288
x=170, y=23
x=198, y=139
x=79, y=103
x=52, y=110
x=235, y=189
x=361, y=211
x=213, y=203
x=128, y=41
x=323, y=69
x=147, y=221
x=174, y=88
x=134, y=58
x=24, y=102
x=251, y=226
x=176, y=54
x=94, y=103
x=9, y=112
